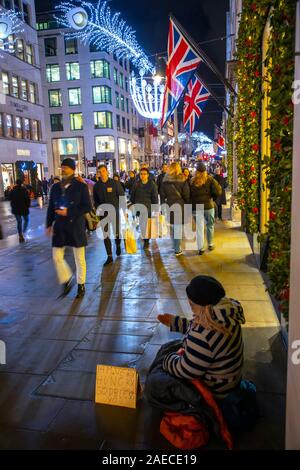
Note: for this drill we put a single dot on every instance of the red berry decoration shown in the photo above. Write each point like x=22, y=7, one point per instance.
x=257, y=73
x=255, y=147
x=252, y=168
x=253, y=7
x=255, y=210
x=272, y=215
x=277, y=146
x=253, y=181
x=286, y=121
x=253, y=114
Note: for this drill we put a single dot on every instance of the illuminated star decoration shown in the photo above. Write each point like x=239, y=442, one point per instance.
x=97, y=26
x=10, y=24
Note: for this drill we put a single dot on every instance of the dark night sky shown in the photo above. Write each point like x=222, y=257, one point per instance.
x=203, y=19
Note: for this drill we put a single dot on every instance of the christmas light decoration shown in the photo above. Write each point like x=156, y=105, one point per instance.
x=147, y=95
x=97, y=26
x=10, y=26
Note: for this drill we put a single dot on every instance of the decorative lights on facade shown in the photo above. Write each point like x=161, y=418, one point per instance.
x=10, y=26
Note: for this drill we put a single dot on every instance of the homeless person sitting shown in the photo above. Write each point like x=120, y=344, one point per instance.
x=208, y=360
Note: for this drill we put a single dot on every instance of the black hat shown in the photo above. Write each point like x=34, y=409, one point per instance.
x=69, y=162
x=205, y=290
x=201, y=167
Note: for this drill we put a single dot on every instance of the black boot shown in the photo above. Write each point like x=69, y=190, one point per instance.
x=146, y=244
x=67, y=287
x=80, y=291
x=118, y=250
x=21, y=239
x=108, y=261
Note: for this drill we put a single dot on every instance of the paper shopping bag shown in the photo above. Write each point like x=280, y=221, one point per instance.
x=130, y=241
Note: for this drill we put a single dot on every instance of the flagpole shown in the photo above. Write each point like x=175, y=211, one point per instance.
x=213, y=96
x=204, y=56
x=176, y=145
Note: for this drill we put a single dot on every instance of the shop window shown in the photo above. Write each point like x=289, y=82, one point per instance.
x=52, y=72
x=105, y=144
x=74, y=96
x=72, y=71
x=71, y=46
x=50, y=47
x=54, y=98
x=101, y=94
x=76, y=121
x=56, y=121
x=103, y=120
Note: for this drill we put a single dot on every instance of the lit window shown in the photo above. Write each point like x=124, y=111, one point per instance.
x=101, y=94
x=18, y=127
x=72, y=71
x=100, y=69
x=54, y=98
x=26, y=128
x=32, y=93
x=50, y=47
x=20, y=49
x=71, y=46
x=29, y=54
x=117, y=100
x=9, y=126
x=15, y=87
x=52, y=72
x=105, y=144
x=76, y=121
x=74, y=96
x=121, y=80
x=35, y=130
x=56, y=121
x=5, y=83
x=116, y=76
x=103, y=120
x=1, y=125
x=24, y=95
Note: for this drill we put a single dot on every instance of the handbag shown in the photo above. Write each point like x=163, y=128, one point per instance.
x=130, y=241
x=153, y=228
x=92, y=220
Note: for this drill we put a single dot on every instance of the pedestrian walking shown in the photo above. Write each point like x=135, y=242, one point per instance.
x=39, y=193
x=20, y=203
x=116, y=177
x=145, y=192
x=204, y=190
x=186, y=173
x=108, y=191
x=130, y=182
x=159, y=182
x=221, y=200
x=45, y=187
x=176, y=190
x=69, y=202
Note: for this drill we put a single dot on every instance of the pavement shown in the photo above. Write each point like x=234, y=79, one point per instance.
x=47, y=386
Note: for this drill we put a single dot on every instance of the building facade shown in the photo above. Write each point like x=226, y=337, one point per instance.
x=22, y=130
x=89, y=114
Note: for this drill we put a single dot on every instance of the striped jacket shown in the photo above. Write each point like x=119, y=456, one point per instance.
x=211, y=356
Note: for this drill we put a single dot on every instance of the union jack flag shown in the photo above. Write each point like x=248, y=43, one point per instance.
x=182, y=63
x=194, y=101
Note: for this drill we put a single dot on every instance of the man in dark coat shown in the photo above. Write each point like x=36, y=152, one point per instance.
x=68, y=204
x=20, y=203
x=108, y=191
x=221, y=200
x=159, y=182
x=145, y=193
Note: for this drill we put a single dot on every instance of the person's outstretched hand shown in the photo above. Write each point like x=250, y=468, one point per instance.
x=165, y=319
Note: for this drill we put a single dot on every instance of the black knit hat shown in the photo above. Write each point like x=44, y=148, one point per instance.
x=201, y=167
x=205, y=290
x=69, y=162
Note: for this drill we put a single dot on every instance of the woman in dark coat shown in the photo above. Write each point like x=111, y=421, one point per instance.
x=176, y=190
x=221, y=200
x=20, y=203
x=144, y=192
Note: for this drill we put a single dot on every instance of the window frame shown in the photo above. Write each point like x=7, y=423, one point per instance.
x=72, y=121
x=58, y=90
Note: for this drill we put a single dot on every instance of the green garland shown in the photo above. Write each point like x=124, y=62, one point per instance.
x=229, y=146
x=280, y=61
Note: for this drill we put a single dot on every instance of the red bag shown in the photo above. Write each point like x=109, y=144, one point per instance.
x=184, y=431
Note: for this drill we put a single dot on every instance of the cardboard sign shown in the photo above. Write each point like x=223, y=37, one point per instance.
x=117, y=386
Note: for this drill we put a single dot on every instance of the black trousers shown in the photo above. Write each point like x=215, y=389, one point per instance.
x=116, y=232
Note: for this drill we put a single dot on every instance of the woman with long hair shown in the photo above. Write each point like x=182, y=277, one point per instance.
x=175, y=191
x=204, y=191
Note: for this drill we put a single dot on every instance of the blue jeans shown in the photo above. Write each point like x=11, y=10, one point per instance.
x=177, y=237
x=22, y=223
x=205, y=217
